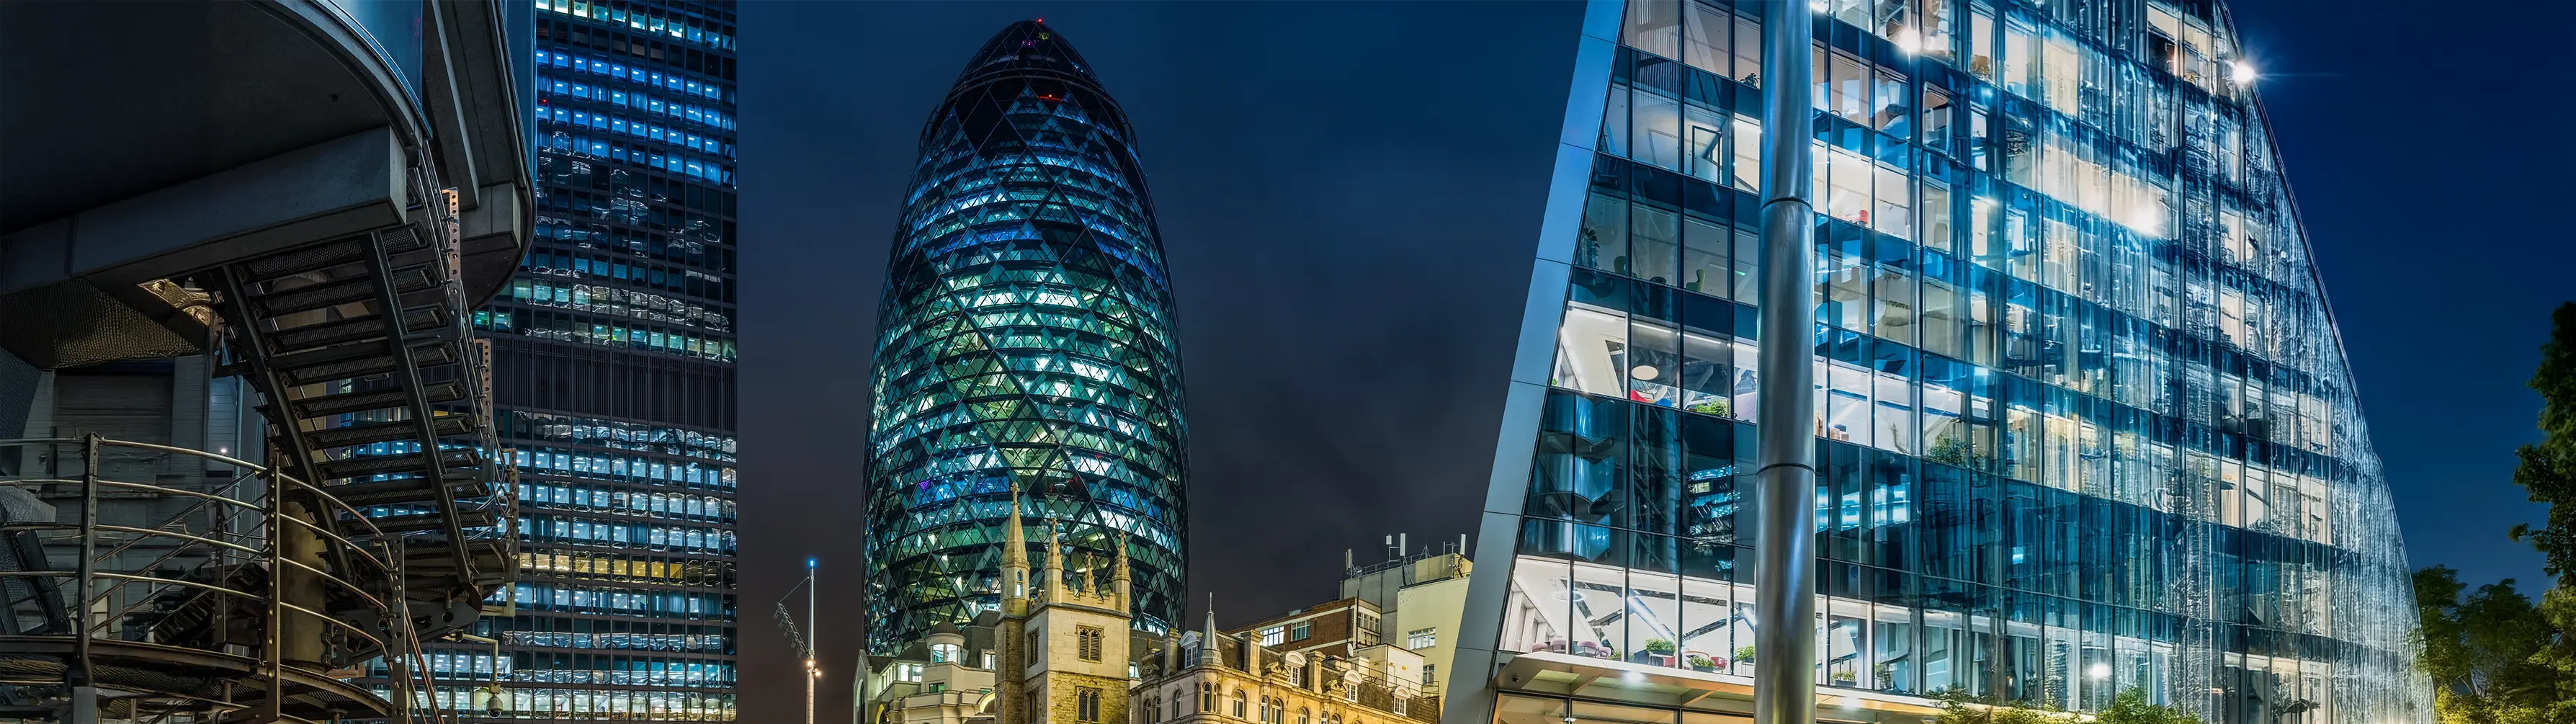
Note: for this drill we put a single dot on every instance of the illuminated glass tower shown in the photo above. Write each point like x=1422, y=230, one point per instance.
x=1025, y=340
x=2084, y=421
x=613, y=377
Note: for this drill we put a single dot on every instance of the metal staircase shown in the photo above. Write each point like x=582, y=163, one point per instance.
x=376, y=392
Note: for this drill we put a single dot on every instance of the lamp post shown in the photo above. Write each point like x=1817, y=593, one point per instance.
x=811, y=624
x=1784, y=652
x=804, y=643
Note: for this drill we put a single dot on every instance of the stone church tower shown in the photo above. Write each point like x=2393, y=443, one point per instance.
x=1063, y=647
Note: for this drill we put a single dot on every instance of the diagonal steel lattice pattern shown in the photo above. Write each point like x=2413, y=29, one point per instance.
x=1025, y=337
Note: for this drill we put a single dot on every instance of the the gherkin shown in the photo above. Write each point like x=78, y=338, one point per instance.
x=1025, y=338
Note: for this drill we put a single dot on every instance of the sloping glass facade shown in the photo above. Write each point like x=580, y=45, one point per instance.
x=1025, y=339
x=2084, y=421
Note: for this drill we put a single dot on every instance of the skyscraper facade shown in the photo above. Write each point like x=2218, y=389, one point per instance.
x=2085, y=425
x=613, y=378
x=1024, y=338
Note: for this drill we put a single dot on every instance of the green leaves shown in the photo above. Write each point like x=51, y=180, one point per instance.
x=2548, y=469
x=2129, y=707
x=2494, y=655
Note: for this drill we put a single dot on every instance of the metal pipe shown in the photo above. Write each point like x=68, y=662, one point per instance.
x=84, y=680
x=1784, y=650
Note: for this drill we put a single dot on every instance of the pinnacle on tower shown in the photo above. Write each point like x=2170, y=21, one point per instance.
x=1118, y=578
x=1015, y=552
x=1210, y=634
x=1054, y=565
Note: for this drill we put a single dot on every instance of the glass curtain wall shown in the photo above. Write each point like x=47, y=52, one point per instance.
x=613, y=381
x=2083, y=418
x=1024, y=341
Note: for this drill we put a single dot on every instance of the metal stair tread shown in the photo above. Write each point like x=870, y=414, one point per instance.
x=442, y=426
x=359, y=360
x=400, y=463
x=336, y=292
x=316, y=336
x=375, y=399
x=400, y=491
x=416, y=522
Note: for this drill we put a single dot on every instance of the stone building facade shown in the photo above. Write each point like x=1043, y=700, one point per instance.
x=1210, y=677
x=1057, y=652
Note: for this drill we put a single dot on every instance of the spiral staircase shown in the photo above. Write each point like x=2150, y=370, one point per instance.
x=311, y=197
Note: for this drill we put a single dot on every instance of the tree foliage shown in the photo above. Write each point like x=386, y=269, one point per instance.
x=2494, y=655
x=2548, y=469
x=2484, y=646
x=2130, y=707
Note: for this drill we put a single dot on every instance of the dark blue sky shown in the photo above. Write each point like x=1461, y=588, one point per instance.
x=1348, y=197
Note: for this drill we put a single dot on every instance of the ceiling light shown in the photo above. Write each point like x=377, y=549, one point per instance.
x=1909, y=40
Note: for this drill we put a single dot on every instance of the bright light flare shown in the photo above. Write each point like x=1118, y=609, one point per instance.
x=2242, y=72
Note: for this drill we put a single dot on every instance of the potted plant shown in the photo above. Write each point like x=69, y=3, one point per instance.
x=1951, y=451
x=1886, y=676
x=1744, y=654
x=1701, y=662
x=1658, y=651
x=1845, y=677
x=1710, y=407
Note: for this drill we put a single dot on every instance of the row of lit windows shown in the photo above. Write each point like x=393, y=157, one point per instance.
x=618, y=601
x=620, y=534
x=678, y=28
x=588, y=669
x=1949, y=412
x=698, y=277
x=2026, y=55
x=565, y=327
x=2115, y=270
x=1970, y=312
x=573, y=204
x=707, y=643
x=2036, y=649
x=652, y=505
x=626, y=567
x=709, y=170
x=619, y=124
x=611, y=300
x=638, y=129
x=699, y=242
x=2083, y=172
x=575, y=704
x=581, y=464
x=653, y=79
x=614, y=434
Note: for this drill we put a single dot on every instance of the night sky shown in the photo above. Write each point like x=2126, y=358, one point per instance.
x=1348, y=195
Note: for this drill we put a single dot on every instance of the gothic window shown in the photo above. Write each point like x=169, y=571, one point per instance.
x=1086, y=704
x=1087, y=642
